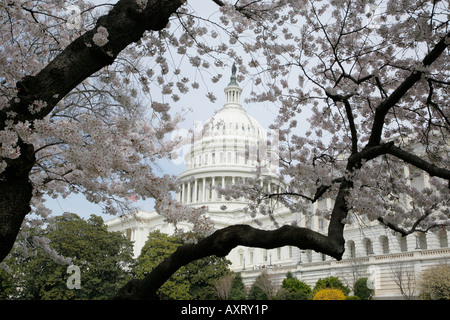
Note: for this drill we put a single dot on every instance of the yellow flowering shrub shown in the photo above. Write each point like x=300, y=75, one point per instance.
x=329, y=294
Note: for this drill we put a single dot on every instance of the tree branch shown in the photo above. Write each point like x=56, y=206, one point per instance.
x=125, y=23
x=220, y=243
x=318, y=194
x=350, y=118
x=400, y=91
x=418, y=162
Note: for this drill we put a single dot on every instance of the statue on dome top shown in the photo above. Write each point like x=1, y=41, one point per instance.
x=233, y=75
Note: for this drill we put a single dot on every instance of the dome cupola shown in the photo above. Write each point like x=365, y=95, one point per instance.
x=233, y=91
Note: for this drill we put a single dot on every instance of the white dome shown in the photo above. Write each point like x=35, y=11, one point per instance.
x=234, y=120
x=229, y=146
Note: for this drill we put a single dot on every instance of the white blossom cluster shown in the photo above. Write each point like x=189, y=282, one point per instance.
x=100, y=38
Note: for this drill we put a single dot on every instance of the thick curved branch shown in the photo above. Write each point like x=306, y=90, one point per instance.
x=220, y=243
x=369, y=153
x=418, y=162
x=125, y=23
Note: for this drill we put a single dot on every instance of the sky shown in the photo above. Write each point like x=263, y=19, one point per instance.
x=201, y=110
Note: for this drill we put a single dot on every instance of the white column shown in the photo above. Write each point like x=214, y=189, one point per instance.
x=213, y=193
x=188, y=193
x=183, y=194
x=204, y=190
x=195, y=191
x=223, y=183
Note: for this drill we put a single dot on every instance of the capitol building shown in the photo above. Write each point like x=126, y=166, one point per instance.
x=228, y=150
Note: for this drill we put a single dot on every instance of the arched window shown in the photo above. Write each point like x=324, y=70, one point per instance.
x=421, y=239
x=368, y=246
x=351, y=248
x=384, y=244
x=443, y=240
x=402, y=243
x=309, y=255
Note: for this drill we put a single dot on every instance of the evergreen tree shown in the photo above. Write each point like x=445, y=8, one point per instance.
x=193, y=281
x=159, y=246
x=103, y=258
x=361, y=290
x=256, y=293
x=330, y=283
x=7, y=289
x=237, y=288
x=203, y=274
x=295, y=289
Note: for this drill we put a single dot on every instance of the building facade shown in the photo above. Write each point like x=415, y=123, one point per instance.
x=225, y=151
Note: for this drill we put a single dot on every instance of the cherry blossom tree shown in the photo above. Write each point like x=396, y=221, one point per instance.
x=373, y=77
x=71, y=114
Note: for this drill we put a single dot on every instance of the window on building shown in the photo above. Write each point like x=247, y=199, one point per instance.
x=403, y=244
x=368, y=246
x=384, y=244
x=443, y=240
x=321, y=224
x=309, y=255
x=421, y=241
x=351, y=248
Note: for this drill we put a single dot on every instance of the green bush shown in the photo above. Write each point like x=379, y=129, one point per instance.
x=362, y=291
x=294, y=289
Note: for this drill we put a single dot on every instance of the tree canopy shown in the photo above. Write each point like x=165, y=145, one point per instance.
x=103, y=260
x=194, y=281
x=361, y=87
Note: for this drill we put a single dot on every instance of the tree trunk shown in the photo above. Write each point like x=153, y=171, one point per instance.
x=15, y=196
